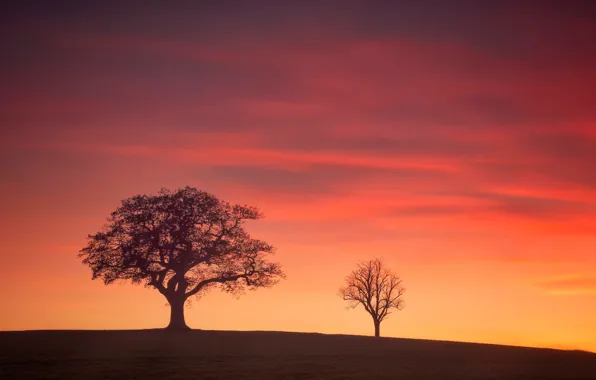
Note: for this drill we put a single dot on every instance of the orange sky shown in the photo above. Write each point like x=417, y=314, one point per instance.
x=458, y=144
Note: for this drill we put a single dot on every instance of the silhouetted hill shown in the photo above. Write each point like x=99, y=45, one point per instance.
x=158, y=354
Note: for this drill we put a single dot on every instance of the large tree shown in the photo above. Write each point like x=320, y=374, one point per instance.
x=376, y=288
x=181, y=243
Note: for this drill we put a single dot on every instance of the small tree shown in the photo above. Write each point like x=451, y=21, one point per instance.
x=376, y=288
x=181, y=243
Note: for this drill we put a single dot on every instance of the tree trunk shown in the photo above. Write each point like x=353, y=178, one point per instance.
x=177, y=314
x=377, y=328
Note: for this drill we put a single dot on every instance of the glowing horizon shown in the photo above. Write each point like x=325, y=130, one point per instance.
x=458, y=145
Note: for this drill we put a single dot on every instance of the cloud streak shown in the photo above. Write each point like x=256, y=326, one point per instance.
x=571, y=285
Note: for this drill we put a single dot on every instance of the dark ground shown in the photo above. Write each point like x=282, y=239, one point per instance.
x=157, y=354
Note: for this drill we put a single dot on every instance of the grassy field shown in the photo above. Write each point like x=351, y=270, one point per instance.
x=157, y=354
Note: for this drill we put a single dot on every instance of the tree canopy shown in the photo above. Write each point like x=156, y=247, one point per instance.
x=182, y=243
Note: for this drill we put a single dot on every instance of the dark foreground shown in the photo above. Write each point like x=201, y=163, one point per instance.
x=156, y=354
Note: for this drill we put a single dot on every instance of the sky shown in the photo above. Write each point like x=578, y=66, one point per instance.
x=455, y=140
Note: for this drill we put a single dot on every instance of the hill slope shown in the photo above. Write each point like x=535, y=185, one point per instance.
x=157, y=354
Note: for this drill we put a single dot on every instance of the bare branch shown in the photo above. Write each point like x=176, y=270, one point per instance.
x=374, y=287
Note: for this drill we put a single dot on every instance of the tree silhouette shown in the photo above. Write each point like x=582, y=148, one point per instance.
x=182, y=243
x=376, y=288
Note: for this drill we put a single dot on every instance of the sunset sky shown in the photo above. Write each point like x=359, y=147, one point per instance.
x=456, y=141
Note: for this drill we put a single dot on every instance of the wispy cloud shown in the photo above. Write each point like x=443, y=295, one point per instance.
x=569, y=285
x=436, y=122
